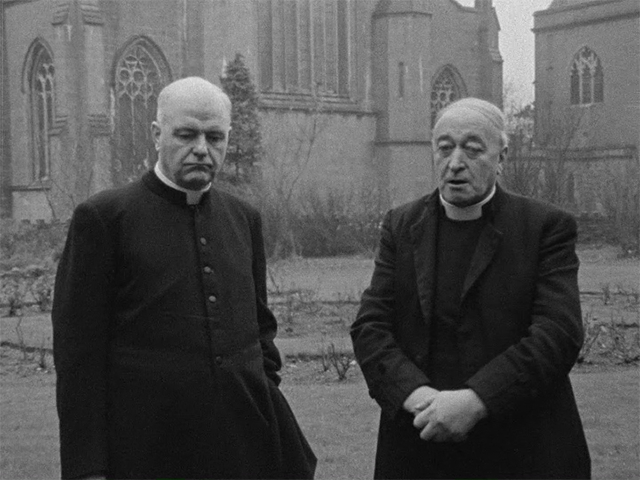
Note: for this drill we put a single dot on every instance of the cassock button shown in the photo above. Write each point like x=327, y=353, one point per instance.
x=213, y=299
x=207, y=269
x=203, y=240
x=218, y=360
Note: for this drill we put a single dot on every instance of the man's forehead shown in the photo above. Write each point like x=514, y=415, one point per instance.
x=200, y=120
x=190, y=104
x=198, y=113
x=466, y=122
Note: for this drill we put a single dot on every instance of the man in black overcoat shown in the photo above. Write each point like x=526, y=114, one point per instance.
x=163, y=341
x=471, y=323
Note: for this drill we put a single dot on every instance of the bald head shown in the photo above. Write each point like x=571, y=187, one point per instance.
x=192, y=92
x=192, y=131
x=492, y=114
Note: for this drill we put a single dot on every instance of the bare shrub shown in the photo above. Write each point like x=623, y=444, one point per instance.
x=325, y=362
x=606, y=293
x=341, y=361
x=22, y=345
x=541, y=169
x=42, y=291
x=625, y=343
x=42, y=356
x=338, y=222
x=592, y=331
x=13, y=291
x=26, y=243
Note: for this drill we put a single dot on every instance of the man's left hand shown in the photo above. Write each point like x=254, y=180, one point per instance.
x=450, y=417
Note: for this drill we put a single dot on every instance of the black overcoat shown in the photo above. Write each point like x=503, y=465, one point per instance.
x=163, y=342
x=521, y=299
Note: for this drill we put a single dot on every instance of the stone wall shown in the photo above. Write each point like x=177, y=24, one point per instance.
x=356, y=148
x=610, y=29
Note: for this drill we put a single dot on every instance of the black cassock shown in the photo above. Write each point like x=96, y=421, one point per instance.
x=163, y=342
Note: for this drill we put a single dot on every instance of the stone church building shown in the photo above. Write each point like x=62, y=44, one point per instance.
x=587, y=97
x=348, y=88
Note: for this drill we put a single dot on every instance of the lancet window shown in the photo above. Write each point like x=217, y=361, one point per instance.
x=304, y=46
x=139, y=75
x=587, y=78
x=42, y=99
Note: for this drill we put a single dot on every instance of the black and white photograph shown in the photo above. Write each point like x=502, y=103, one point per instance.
x=319, y=239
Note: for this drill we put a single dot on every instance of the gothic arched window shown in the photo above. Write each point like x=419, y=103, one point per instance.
x=445, y=89
x=304, y=46
x=139, y=75
x=42, y=96
x=587, y=78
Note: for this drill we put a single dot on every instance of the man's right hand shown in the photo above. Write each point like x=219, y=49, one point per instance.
x=419, y=399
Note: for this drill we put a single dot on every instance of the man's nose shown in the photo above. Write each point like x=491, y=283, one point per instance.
x=456, y=160
x=200, y=148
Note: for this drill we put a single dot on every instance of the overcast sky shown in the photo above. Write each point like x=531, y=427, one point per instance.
x=517, y=42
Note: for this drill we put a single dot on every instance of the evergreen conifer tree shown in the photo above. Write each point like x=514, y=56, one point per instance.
x=245, y=139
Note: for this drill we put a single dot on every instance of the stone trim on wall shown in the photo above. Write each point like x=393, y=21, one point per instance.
x=584, y=14
x=623, y=152
x=321, y=103
x=90, y=12
x=61, y=12
x=99, y=125
x=34, y=187
x=60, y=123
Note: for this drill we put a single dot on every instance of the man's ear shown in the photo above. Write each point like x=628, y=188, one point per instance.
x=502, y=158
x=155, y=132
x=503, y=154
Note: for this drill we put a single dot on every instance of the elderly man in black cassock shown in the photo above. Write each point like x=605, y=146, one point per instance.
x=163, y=341
x=472, y=321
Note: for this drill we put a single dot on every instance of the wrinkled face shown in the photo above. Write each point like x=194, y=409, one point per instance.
x=468, y=153
x=191, y=137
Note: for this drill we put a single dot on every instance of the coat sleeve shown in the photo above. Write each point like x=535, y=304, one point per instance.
x=529, y=369
x=80, y=315
x=266, y=320
x=391, y=376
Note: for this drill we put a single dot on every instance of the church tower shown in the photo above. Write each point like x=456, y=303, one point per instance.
x=489, y=58
x=401, y=56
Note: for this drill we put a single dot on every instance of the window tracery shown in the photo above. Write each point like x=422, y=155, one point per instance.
x=138, y=78
x=587, y=78
x=444, y=91
x=42, y=93
x=304, y=46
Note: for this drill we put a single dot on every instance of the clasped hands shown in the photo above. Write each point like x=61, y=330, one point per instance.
x=444, y=416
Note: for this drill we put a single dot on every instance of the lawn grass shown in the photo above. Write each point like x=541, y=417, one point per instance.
x=339, y=418
x=340, y=421
x=610, y=409
x=28, y=425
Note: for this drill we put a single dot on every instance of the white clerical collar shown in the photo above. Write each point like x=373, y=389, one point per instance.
x=193, y=196
x=472, y=212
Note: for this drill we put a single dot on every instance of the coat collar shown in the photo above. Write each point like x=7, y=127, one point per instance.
x=153, y=183
x=424, y=236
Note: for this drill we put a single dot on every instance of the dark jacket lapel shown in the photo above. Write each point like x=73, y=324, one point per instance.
x=488, y=243
x=424, y=238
